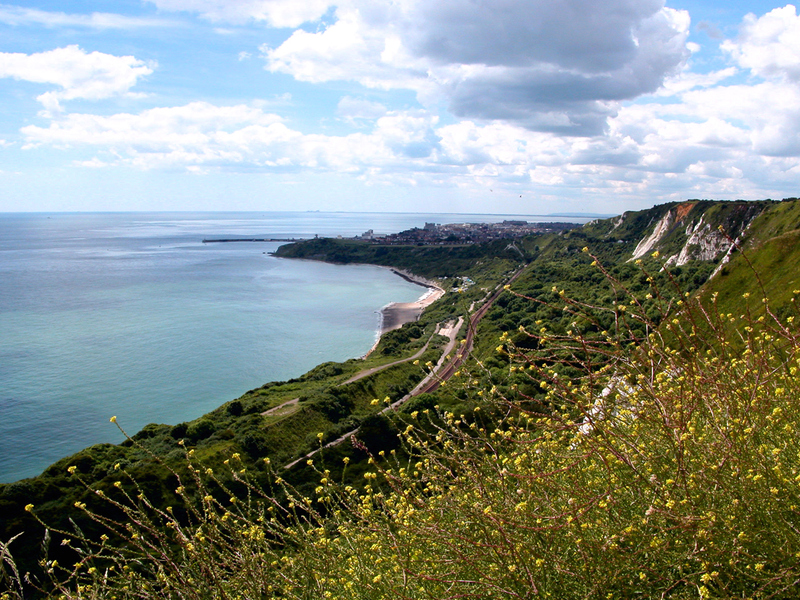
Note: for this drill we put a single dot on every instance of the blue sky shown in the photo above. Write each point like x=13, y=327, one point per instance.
x=502, y=106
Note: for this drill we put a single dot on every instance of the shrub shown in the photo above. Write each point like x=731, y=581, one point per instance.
x=666, y=467
x=200, y=430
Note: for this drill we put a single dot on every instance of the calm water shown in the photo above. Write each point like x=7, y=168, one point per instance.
x=130, y=314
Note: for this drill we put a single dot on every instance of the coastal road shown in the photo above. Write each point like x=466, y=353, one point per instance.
x=281, y=408
x=451, y=332
x=440, y=373
x=467, y=344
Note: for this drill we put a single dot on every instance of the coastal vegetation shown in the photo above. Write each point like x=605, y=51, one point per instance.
x=624, y=427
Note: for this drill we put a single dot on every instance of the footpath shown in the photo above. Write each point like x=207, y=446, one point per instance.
x=444, y=369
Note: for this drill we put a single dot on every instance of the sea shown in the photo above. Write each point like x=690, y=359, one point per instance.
x=132, y=315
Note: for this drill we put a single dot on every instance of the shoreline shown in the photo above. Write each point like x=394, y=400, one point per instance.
x=396, y=314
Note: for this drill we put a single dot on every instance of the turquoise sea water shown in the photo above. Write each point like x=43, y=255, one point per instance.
x=130, y=314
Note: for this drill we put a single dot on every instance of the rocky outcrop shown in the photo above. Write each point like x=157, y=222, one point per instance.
x=650, y=242
x=698, y=231
x=704, y=243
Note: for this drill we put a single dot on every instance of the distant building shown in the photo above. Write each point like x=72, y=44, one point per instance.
x=464, y=233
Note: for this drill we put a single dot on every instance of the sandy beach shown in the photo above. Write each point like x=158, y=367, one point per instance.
x=397, y=314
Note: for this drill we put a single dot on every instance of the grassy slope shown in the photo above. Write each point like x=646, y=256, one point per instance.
x=157, y=458
x=773, y=249
x=556, y=259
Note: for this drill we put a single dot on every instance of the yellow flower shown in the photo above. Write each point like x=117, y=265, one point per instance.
x=113, y=419
x=71, y=469
x=29, y=507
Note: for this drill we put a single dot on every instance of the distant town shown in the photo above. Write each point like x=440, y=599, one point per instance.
x=434, y=234
x=463, y=233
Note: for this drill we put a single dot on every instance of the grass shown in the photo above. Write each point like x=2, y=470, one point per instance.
x=665, y=466
x=512, y=481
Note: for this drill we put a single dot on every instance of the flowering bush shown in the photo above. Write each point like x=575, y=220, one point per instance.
x=661, y=464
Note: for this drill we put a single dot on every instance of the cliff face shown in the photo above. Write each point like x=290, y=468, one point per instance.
x=704, y=243
x=687, y=231
x=660, y=231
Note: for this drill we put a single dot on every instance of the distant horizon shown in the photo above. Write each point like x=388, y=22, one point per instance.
x=363, y=212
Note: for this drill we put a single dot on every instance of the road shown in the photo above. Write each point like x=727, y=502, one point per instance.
x=456, y=361
x=443, y=371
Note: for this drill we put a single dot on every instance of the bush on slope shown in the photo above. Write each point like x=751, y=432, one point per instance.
x=668, y=468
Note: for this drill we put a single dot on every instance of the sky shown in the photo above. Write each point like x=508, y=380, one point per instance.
x=479, y=106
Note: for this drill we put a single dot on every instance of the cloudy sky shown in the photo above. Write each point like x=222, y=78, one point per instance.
x=509, y=106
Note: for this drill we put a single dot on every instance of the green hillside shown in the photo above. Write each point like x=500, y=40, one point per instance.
x=624, y=427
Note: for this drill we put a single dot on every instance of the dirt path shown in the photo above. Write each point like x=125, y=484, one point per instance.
x=365, y=373
x=371, y=371
x=275, y=409
x=452, y=333
x=450, y=330
x=444, y=368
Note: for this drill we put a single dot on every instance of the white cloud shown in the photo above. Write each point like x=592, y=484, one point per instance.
x=560, y=66
x=549, y=113
x=647, y=152
x=92, y=76
x=17, y=15
x=347, y=50
x=154, y=130
x=356, y=110
x=235, y=137
x=766, y=114
x=277, y=13
x=770, y=45
x=687, y=80
x=200, y=138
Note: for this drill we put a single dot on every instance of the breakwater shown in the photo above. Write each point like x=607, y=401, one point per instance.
x=229, y=240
